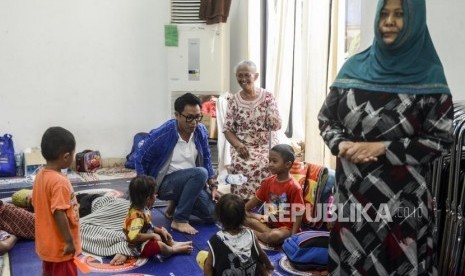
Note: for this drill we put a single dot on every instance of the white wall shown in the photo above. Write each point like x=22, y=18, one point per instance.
x=445, y=18
x=97, y=68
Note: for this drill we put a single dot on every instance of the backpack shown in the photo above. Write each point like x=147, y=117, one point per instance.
x=88, y=161
x=136, y=144
x=307, y=250
x=7, y=156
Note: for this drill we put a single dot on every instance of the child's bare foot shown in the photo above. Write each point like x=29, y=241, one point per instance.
x=170, y=210
x=176, y=243
x=119, y=259
x=183, y=227
x=182, y=248
x=170, y=241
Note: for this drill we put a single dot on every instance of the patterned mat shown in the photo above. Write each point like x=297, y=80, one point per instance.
x=267, y=247
x=114, y=181
x=9, y=185
x=286, y=266
x=74, y=177
x=107, y=173
x=24, y=261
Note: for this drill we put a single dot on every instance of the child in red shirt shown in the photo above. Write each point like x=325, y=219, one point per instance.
x=282, y=197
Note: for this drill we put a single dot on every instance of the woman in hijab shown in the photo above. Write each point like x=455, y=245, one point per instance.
x=387, y=117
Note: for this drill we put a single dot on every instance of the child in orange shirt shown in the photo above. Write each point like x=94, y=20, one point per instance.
x=279, y=192
x=56, y=207
x=145, y=239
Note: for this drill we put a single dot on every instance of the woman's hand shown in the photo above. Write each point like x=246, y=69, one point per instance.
x=237, y=144
x=361, y=152
x=242, y=151
x=273, y=122
x=344, y=146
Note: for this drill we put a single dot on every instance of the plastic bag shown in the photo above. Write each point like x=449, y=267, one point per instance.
x=7, y=156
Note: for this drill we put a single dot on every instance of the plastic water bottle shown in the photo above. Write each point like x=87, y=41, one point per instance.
x=227, y=179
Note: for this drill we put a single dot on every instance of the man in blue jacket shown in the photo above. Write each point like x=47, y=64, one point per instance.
x=178, y=156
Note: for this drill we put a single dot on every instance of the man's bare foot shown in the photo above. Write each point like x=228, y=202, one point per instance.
x=119, y=259
x=170, y=210
x=182, y=248
x=183, y=227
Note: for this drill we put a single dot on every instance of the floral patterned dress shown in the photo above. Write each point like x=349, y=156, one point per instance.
x=249, y=121
x=391, y=233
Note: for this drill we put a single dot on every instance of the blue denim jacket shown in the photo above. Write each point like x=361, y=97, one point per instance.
x=154, y=156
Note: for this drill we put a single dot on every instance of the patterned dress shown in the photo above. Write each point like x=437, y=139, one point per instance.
x=390, y=232
x=248, y=120
x=16, y=221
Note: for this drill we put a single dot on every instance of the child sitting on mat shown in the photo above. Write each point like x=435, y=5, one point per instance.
x=234, y=250
x=282, y=197
x=145, y=239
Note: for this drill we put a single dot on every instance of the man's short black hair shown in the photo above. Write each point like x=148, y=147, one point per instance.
x=286, y=152
x=57, y=141
x=186, y=99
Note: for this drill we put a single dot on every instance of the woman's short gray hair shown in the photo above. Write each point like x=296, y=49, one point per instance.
x=246, y=63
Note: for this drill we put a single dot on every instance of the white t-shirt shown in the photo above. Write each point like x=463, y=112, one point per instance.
x=184, y=155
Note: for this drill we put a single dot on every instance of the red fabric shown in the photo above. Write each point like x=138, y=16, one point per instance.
x=67, y=268
x=209, y=107
x=16, y=221
x=150, y=249
x=277, y=193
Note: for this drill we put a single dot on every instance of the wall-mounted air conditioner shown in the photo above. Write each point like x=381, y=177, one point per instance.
x=200, y=63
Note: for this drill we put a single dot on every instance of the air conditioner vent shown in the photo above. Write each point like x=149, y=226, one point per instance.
x=185, y=12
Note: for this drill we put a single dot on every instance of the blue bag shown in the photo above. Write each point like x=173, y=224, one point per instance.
x=136, y=144
x=7, y=156
x=307, y=250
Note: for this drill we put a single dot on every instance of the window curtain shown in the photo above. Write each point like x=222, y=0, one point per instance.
x=224, y=149
x=324, y=37
x=214, y=11
x=304, y=52
x=281, y=45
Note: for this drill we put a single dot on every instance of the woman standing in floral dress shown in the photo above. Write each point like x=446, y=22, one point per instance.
x=251, y=121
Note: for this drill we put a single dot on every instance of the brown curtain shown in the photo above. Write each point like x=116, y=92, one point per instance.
x=214, y=11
